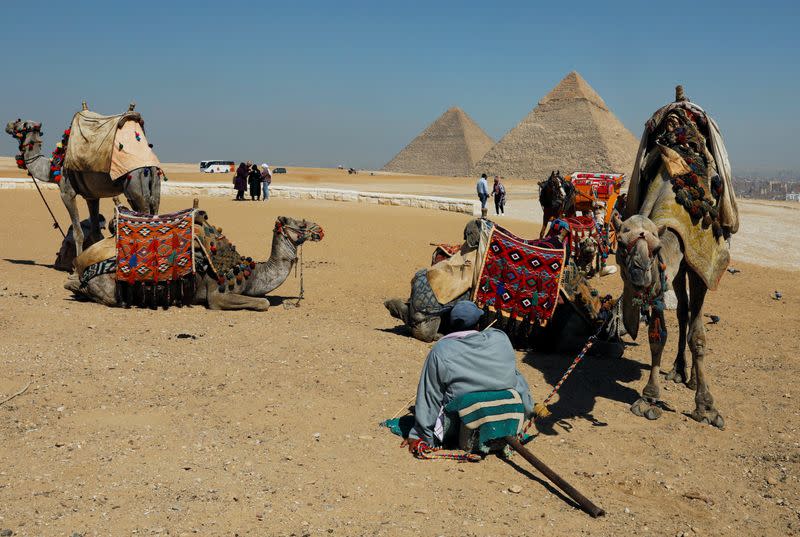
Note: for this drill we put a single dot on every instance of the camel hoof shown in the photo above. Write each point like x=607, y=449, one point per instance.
x=692, y=384
x=675, y=376
x=646, y=408
x=397, y=309
x=710, y=417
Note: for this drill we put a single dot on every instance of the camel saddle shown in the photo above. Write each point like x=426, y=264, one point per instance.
x=97, y=252
x=451, y=277
x=115, y=145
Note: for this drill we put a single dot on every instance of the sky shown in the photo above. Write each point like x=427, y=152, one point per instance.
x=325, y=83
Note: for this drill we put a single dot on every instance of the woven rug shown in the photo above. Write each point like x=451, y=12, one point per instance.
x=519, y=278
x=154, y=248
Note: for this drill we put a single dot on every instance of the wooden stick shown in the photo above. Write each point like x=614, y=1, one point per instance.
x=557, y=480
x=9, y=398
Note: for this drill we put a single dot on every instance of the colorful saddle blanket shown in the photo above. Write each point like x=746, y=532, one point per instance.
x=518, y=277
x=154, y=248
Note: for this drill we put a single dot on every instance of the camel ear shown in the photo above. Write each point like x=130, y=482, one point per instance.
x=661, y=230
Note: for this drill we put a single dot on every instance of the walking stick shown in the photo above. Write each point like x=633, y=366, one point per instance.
x=585, y=503
x=55, y=222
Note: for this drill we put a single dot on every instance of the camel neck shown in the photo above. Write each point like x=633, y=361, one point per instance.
x=270, y=274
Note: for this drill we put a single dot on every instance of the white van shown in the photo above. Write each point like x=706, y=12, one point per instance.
x=217, y=166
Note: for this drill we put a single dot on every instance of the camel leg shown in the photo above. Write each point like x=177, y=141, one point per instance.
x=68, y=196
x=648, y=406
x=427, y=330
x=704, y=411
x=678, y=372
x=397, y=309
x=94, y=216
x=233, y=301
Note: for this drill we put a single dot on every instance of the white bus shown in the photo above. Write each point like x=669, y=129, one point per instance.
x=217, y=166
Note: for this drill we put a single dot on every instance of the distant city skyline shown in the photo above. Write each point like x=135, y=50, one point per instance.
x=351, y=83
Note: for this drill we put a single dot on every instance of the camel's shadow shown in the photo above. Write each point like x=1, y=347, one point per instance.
x=29, y=262
x=594, y=377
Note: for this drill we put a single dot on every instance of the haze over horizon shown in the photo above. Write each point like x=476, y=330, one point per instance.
x=352, y=83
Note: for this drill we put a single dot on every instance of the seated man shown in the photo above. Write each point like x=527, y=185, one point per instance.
x=463, y=362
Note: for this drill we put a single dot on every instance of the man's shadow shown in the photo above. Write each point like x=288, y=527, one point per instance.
x=596, y=376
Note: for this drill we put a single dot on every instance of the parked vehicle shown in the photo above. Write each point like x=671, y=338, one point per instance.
x=217, y=166
x=279, y=170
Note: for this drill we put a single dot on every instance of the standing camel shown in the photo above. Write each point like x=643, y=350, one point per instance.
x=557, y=198
x=681, y=207
x=141, y=187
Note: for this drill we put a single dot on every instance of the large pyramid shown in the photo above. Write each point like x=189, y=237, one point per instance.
x=571, y=129
x=451, y=145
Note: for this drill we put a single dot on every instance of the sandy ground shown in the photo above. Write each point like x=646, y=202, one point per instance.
x=266, y=423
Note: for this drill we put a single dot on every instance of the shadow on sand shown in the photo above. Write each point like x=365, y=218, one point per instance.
x=29, y=262
x=595, y=377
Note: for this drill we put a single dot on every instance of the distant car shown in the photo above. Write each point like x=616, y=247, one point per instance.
x=217, y=166
x=279, y=170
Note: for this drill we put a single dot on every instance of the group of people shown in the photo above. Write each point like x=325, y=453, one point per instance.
x=248, y=174
x=498, y=193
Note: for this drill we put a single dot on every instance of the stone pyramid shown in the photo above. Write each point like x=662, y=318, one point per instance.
x=571, y=129
x=451, y=145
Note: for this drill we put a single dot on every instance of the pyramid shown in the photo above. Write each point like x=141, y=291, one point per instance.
x=451, y=145
x=571, y=129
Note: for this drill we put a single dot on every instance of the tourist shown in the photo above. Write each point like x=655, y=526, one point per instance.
x=240, y=181
x=462, y=362
x=266, y=180
x=499, y=194
x=483, y=193
x=254, y=179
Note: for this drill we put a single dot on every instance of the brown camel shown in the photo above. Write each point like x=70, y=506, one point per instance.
x=681, y=208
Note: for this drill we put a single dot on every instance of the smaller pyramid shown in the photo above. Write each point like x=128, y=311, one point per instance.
x=450, y=146
x=571, y=129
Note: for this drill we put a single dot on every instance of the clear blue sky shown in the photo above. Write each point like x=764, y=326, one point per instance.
x=329, y=82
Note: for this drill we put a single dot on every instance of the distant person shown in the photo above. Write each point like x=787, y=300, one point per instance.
x=240, y=181
x=483, y=193
x=266, y=180
x=499, y=194
x=254, y=180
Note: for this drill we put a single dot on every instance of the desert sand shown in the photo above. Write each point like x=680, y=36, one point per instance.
x=267, y=423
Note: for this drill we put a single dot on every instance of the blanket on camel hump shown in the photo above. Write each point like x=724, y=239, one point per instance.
x=115, y=145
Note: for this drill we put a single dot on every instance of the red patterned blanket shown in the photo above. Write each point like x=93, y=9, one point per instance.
x=154, y=248
x=520, y=278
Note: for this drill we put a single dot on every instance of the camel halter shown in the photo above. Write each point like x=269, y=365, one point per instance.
x=314, y=232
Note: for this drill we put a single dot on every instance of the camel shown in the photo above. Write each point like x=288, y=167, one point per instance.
x=249, y=293
x=557, y=198
x=427, y=318
x=141, y=187
x=680, y=209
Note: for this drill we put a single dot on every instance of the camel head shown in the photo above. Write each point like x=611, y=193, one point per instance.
x=472, y=233
x=298, y=231
x=27, y=133
x=638, y=246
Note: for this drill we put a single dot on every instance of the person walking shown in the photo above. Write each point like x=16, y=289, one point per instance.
x=254, y=179
x=266, y=180
x=499, y=194
x=240, y=181
x=483, y=193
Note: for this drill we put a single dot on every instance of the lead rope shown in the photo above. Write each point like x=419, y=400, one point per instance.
x=296, y=303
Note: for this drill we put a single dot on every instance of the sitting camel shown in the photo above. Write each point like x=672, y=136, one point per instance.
x=681, y=206
x=241, y=293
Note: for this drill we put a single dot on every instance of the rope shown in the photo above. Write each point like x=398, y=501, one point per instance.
x=421, y=450
x=55, y=222
x=296, y=304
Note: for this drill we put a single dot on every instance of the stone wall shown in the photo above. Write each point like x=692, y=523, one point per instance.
x=199, y=190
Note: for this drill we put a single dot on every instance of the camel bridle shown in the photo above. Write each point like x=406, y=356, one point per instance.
x=313, y=232
x=21, y=133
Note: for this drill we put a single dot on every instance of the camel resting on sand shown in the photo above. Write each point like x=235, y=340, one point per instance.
x=240, y=293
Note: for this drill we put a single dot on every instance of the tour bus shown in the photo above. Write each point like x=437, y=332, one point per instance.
x=217, y=166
